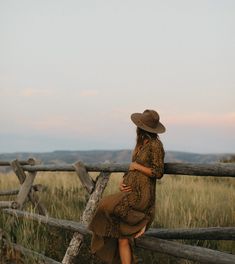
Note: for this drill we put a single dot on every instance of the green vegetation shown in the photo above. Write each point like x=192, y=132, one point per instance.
x=181, y=201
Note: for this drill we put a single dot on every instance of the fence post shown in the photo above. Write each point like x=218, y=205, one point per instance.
x=26, y=184
x=76, y=242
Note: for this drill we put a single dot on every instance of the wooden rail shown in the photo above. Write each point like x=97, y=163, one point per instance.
x=195, y=253
x=8, y=163
x=36, y=188
x=151, y=242
x=196, y=169
x=227, y=170
x=154, y=239
x=211, y=233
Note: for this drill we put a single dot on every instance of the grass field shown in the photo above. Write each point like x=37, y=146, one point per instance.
x=181, y=201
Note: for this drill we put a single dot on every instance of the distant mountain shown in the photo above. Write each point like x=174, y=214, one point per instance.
x=177, y=156
x=117, y=156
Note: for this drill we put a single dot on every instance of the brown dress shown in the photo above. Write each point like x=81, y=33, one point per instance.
x=123, y=214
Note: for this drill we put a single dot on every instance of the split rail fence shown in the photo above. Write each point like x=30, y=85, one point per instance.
x=155, y=239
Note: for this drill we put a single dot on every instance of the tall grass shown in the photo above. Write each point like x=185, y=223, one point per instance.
x=181, y=201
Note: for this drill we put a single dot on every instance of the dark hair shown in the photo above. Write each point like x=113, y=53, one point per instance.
x=141, y=136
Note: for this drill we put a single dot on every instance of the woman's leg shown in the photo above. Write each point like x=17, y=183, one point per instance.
x=124, y=250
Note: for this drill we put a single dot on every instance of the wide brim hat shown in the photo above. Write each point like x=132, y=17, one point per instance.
x=148, y=121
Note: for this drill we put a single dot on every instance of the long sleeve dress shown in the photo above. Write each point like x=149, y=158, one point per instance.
x=123, y=214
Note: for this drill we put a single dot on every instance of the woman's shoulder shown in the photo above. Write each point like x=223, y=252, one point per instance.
x=156, y=144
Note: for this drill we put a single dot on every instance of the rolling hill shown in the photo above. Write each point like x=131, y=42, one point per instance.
x=117, y=156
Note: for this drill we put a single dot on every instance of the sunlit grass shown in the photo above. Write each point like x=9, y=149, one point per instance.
x=181, y=201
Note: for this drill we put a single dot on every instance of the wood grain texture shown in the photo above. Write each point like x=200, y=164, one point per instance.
x=76, y=242
x=8, y=204
x=33, y=197
x=195, y=253
x=85, y=178
x=36, y=188
x=198, y=169
x=210, y=233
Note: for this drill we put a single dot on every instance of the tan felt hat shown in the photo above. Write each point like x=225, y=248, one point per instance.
x=148, y=121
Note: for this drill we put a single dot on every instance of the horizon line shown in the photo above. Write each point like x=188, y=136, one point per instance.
x=129, y=149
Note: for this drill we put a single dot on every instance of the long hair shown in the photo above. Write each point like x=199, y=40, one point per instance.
x=141, y=136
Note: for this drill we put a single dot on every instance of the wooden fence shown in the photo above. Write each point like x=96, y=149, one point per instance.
x=154, y=239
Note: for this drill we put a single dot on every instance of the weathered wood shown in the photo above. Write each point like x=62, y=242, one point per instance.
x=216, y=169
x=84, y=176
x=54, y=222
x=8, y=204
x=25, y=188
x=34, y=198
x=8, y=163
x=9, y=192
x=76, y=242
x=77, y=239
x=36, y=188
x=22, y=176
x=18, y=170
x=147, y=241
x=195, y=253
x=202, y=255
x=38, y=205
x=101, y=182
x=69, y=167
x=209, y=233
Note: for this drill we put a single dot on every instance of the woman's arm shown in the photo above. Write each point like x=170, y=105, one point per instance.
x=156, y=155
x=141, y=168
x=150, y=172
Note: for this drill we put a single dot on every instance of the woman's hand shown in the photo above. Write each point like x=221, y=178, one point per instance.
x=141, y=232
x=124, y=188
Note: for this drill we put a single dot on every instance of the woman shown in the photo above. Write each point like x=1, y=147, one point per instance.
x=126, y=215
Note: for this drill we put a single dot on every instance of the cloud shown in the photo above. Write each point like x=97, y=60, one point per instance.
x=206, y=119
x=7, y=92
x=25, y=92
x=33, y=92
x=60, y=125
x=88, y=93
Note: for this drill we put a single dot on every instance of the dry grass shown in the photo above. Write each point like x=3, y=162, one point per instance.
x=181, y=201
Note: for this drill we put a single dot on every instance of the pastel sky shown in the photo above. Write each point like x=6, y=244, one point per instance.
x=72, y=72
